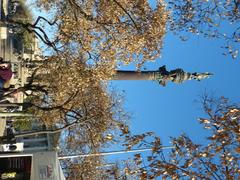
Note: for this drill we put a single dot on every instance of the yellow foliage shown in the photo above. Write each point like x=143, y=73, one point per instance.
x=122, y=31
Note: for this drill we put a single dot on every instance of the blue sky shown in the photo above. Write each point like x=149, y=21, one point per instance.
x=174, y=109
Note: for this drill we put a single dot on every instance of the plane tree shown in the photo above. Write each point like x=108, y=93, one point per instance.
x=217, y=159
x=127, y=31
x=213, y=19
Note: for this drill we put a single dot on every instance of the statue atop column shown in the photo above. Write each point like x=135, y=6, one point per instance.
x=177, y=75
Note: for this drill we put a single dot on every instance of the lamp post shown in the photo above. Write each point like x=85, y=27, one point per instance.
x=111, y=153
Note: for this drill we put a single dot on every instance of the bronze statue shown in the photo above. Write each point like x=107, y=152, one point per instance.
x=177, y=75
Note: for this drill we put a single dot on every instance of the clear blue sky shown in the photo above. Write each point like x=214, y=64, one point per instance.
x=174, y=109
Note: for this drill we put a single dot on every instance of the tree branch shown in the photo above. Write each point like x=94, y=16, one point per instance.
x=131, y=18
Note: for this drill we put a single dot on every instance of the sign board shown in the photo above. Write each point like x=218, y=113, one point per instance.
x=3, y=32
x=17, y=147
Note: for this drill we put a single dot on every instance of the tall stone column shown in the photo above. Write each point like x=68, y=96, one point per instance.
x=161, y=75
